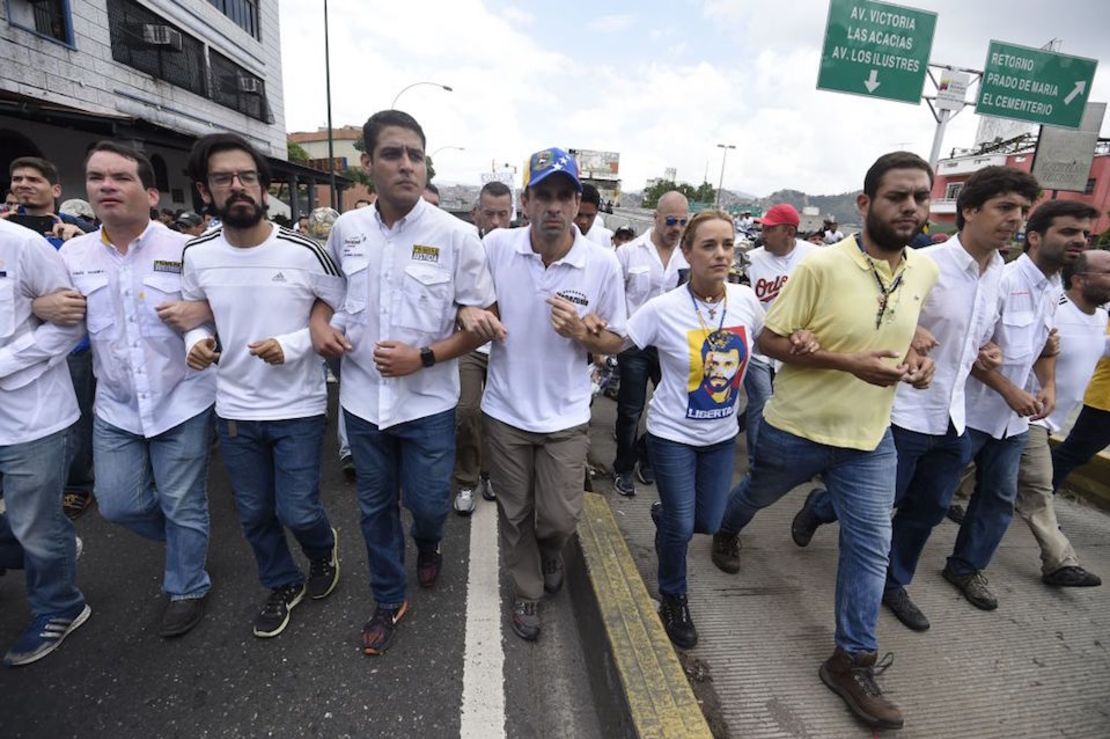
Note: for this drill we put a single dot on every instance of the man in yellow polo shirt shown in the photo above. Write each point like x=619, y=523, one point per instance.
x=830, y=414
x=1091, y=432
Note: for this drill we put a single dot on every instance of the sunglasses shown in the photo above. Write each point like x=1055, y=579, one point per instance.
x=673, y=221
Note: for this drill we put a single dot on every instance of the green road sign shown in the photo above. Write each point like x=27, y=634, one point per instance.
x=876, y=49
x=1034, y=85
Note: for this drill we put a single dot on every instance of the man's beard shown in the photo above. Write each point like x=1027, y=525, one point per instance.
x=237, y=218
x=884, y=236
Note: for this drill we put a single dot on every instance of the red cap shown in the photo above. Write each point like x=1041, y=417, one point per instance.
x=781, y=214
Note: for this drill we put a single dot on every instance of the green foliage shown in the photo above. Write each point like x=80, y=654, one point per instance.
x=431, y=169
x=296, y=152
x=358, y=175
x=704, y=192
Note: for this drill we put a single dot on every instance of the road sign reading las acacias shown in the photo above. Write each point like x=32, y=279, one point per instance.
x=1034, y=85
x=876, y=50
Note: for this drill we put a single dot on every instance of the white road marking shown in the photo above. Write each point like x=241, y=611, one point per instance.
x=483, y=698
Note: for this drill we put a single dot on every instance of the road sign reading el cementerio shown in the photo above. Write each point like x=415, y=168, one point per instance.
x=1035, y=85
x=876, y=49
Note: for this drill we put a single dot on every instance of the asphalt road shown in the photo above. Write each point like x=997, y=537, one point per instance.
x=115, y=676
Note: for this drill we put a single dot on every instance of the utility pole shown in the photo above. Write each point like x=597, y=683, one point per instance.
x=724, y=158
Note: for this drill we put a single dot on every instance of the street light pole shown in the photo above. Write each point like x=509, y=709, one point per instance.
x=724, y=158
x=331, y=136
x=456, y=148
x=397, y=97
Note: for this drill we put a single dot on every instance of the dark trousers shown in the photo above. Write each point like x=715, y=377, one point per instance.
x=1088, y=437
x=636, y=367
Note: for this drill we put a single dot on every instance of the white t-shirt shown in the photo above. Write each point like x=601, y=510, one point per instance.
x=768, y=273
x=695, y=402
x=1082, y=345
x=257, y=293
x=538, y=380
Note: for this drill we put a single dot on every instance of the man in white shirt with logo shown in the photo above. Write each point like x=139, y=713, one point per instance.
x=152, y=421
x=38, y=409
x=588, y=220
x=1081, y=324
x=409, y=266
x=651, y=265
x=261, y=281
x=768, y=270
x=556, y=294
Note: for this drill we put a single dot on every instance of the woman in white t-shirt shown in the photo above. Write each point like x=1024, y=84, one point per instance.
x=703, y=331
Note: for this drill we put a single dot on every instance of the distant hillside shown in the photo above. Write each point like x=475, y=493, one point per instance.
x=842, y=206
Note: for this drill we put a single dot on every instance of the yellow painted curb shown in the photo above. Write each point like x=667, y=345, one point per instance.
x=660, y=700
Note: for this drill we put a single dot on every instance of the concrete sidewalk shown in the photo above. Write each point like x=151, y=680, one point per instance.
x=1038, y=666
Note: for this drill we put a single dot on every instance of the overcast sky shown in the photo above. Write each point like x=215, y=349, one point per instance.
x=660, y=83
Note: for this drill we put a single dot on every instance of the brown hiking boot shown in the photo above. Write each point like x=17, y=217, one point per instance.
x=853, y=679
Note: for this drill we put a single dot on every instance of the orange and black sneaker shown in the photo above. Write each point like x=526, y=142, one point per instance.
x=378, y=632
x=76, y=502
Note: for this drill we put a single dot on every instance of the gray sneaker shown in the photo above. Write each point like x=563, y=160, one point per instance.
x=464, y=502
x=974, y=587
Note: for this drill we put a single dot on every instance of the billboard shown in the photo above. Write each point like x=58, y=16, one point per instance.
x=597, y=165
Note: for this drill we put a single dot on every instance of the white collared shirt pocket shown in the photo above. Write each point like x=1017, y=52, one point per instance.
x=1018, y=338
x=158, y=288
x=358, y=290
x=100, y=313
x=425, y=298
x=638, y=284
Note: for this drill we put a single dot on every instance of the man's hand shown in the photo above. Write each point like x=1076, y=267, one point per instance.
x=202, y=354
x=64, y=308
x=921, y=370
x=396, y=359
x=870, y=367
x=923, y=341
x=184, y=315
x=1022, y=403
x=327, y=340
x=595, y=324
x=66, y=231
x=1046, y=397
x=268, y=350
x=565, y=319
x=1052, y=345
x=802, y=341
x=481, y=322
x=990, y=357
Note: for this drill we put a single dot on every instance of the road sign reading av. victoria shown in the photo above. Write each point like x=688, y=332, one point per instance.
x=876, y=50
x=1034, y=85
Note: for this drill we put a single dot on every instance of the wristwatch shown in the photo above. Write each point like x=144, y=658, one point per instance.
x=427, y=356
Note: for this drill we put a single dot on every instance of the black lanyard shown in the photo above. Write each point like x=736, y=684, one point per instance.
x=885, y=291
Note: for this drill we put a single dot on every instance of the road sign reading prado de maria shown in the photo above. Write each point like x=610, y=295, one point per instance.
x=876, y=49
x=1034, y=85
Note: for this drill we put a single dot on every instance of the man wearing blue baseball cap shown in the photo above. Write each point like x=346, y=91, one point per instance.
x=559, y=297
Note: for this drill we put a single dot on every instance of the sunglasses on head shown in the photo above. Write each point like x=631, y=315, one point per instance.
x=673, y=221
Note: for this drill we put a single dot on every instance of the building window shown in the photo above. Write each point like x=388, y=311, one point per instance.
x=49, y=18
x=244, y=13
x=148, y=43
x=161, y=176
x=1090, y=188
x=952, y=190
x=238, y=89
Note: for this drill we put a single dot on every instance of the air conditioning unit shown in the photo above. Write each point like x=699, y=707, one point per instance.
x=250, y=85
x=162, y=36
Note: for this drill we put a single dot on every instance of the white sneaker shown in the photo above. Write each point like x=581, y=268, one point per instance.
x=486, y=487
x=80, y=547
x=464, y=502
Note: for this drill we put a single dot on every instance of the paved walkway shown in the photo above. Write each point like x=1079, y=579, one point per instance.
x=1038, y=666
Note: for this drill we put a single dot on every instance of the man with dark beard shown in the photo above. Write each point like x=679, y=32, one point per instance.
x=830, y=413
x=261, y=282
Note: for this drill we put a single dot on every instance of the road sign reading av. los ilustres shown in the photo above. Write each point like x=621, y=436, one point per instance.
x=876, y=49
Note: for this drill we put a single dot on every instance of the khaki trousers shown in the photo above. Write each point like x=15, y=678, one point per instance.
x=538, y=479
x=470, y=451
x=1035, y=503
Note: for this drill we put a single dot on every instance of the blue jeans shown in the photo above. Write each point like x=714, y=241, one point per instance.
x=416, y=457
x=929, y=470
x=861, y=489
x=992, y=506
x=80, y=476
x=35, y=534
x=275, y=473
x=158, y=488
x=635, y=367
x=693, y=484
x=757, y=386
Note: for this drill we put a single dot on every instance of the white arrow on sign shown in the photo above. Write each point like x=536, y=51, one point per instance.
x=1079, y=88
x=872, y=83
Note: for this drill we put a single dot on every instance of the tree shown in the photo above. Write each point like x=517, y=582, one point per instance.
x=704, y=193
x=431, y=169
x=296, y=152
x=359, y=175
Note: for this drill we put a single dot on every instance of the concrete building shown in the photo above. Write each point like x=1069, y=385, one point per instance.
x=157, y=74
x=315, y=144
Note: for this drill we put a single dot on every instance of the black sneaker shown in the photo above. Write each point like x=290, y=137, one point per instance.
x=347, y=464
x=1072, y=577
x=181, y=616
x=645, y=474
x=274, y=616
x=675, y=615
x=487, y=488
x=805, y=523
x=726, y=552
x=899, y=603
x=956, y=514
x=624, y=484
x=379, y=631
x=974, y=587
x=323, y=573
x=526, y=619
x=429, y=561
x=76, y=502
x=553, y=574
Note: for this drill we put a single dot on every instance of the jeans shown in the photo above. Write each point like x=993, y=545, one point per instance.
x=80, y=476
x=158, y=488
x=341, y=425
x=409, y=463
x=992, y=506
x=929, y=469
x=35, y=534
x=757, y=386
x=636, y=367
x=1088, y=437
x=693, y=484
x=861, y=488
x=274, y=468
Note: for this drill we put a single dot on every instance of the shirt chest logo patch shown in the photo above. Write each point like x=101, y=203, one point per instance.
x=165, y=265
x=422, y=253
x=279, y=277
x=574, y=296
